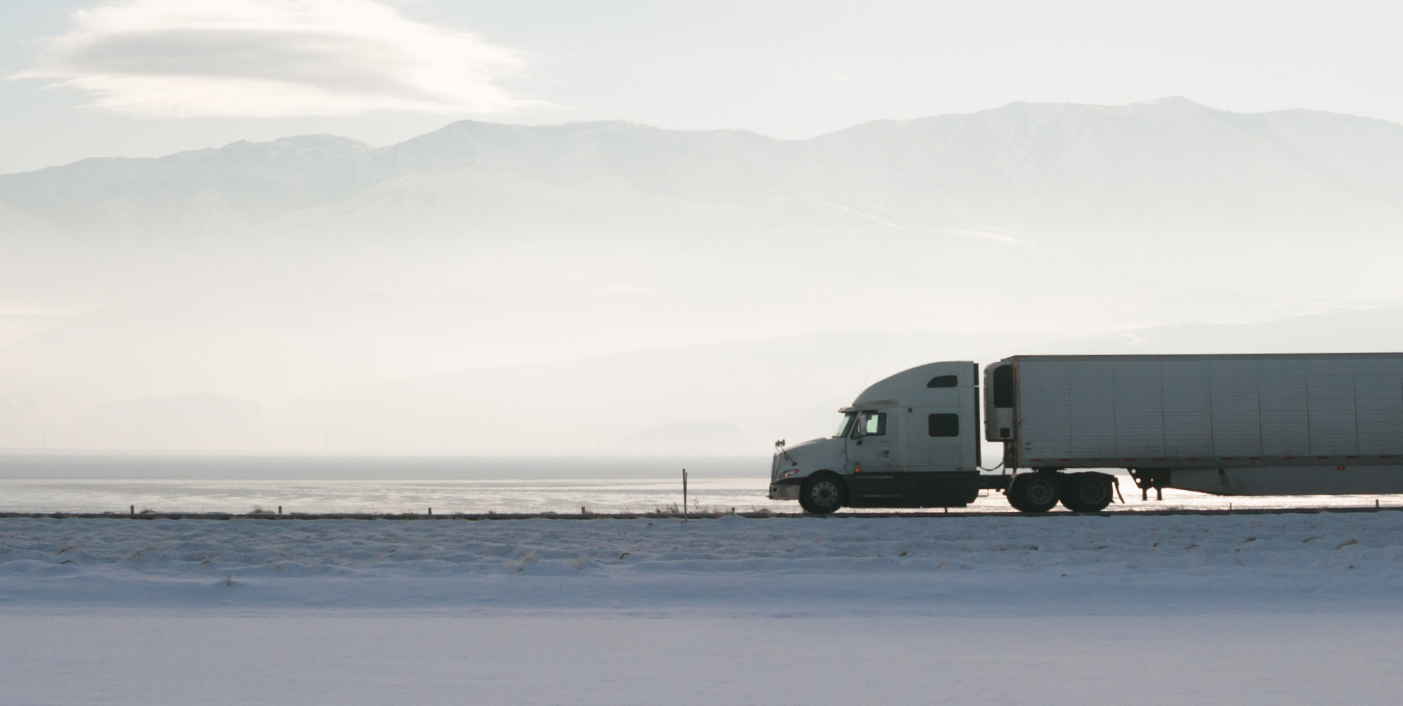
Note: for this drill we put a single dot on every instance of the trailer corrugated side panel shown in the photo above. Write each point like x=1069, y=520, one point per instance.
x=1228, y=410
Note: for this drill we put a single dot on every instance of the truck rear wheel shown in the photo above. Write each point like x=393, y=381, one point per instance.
x=1033, y=492
x=823, y=493
x=1086, y=492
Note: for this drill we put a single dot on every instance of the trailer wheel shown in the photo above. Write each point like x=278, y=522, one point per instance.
x=1086, y=492
x=1013, y=499
x=1033, y=492
x=823, y=493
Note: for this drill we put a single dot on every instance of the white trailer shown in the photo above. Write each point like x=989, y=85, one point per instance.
x=1223, y=424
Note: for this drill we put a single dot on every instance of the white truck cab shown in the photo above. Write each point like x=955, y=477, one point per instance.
x=910, y=440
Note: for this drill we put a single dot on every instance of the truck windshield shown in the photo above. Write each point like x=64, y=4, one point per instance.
x=845, y=425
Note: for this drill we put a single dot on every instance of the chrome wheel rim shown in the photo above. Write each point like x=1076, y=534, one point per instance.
x=1039, y=492
x=824, y=494
x=1092, y=493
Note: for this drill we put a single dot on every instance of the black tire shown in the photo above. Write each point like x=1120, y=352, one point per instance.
x=1013, y=499
x=1034, y=492
x=823, y=493
x=1086, y=492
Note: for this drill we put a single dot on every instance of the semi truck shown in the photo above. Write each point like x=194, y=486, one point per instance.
x=1298, y=424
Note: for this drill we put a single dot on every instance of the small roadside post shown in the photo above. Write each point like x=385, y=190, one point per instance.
x=684, y=495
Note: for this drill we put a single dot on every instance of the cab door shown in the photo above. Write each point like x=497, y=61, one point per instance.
x=875, y=478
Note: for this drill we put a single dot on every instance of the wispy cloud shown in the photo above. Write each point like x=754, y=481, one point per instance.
x=273, y=58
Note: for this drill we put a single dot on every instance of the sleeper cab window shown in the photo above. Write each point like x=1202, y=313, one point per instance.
x=944, y=381
x=876, y=424
x=944, y=424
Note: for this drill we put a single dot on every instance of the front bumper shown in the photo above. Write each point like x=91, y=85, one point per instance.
x=784, y=491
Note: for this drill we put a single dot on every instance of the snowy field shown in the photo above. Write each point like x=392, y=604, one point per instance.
x=1245, y=609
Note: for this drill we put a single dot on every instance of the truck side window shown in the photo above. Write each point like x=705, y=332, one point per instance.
x=944, y=381
x=1003, y=386
x=876, y=424
x=944, y=424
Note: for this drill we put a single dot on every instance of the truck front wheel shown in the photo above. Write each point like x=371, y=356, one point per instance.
x=823, y=493
x=1086, y=492
x=1033, y=492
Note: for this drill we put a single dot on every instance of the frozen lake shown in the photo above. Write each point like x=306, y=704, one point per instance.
x=48, y=484
x=566, y=496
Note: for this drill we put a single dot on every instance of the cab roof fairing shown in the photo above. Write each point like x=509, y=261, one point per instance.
x=908, y=387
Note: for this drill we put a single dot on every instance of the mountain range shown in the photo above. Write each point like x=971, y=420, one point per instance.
x=279, y=285
x=1021, y=171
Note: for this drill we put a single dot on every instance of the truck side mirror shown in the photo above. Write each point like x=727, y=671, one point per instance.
x=860, y=428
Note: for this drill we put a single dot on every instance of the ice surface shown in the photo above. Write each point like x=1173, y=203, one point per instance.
x=602, y=495
x=501, y=495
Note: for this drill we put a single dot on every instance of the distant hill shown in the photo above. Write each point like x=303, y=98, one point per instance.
x=1021, y=171
x=192, y=194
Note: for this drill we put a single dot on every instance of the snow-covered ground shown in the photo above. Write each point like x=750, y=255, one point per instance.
x=642, y=564
x=1291, y=608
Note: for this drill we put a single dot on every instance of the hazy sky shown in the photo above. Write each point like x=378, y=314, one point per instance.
x=156, y=316
x=150, y=77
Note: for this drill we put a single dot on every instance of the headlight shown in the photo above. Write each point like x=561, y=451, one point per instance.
x=788, y=473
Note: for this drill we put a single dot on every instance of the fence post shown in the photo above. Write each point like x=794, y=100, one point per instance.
x=684, y=494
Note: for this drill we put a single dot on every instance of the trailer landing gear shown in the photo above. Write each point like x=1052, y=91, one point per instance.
x=1148, y=478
